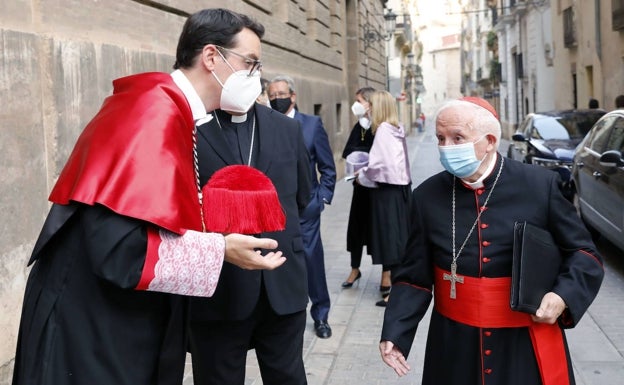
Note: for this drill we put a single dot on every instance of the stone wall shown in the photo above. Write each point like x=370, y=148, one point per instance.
x=57, y=61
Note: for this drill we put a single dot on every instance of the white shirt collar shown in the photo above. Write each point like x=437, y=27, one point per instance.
x=479, y=182
x=291, y=114
x=239, y=118
x=198, y=109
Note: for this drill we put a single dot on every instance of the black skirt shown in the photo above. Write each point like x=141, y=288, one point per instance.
x=389, y=223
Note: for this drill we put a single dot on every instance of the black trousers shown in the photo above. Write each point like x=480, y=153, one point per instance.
x=219, y=348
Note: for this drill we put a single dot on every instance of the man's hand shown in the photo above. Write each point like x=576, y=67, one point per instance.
x=393, y=357
x=240, y=251
x=550, y=309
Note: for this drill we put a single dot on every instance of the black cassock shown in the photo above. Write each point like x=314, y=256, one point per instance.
x=82, y=322
x=359, y=225
x=457, y=353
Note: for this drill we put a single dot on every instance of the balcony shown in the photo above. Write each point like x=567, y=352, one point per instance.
x=520, y=7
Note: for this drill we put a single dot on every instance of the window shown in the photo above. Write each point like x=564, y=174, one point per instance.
x=569, y=28
x=616, y=140
x=338, y=115
x=600, y=135
x=617, y=15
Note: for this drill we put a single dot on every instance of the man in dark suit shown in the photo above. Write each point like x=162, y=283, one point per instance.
x=283, y=98
x=249, y=309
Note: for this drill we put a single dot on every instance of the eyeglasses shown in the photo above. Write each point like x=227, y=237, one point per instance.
x=256, y=65
x=280, y=95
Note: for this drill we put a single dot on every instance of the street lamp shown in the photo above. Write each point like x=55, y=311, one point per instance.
x=372, y=35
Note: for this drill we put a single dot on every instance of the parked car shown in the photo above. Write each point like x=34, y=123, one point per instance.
x=549, y=138
x=598, y=178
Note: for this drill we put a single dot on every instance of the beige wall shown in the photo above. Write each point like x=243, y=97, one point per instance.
x=57, y=61
x=598, y=76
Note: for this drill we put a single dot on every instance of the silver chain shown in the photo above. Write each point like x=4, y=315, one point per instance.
x=455, y=256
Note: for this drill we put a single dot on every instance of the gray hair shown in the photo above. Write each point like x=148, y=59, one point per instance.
x=480, y=119
x=366, y=93
x=284, y=78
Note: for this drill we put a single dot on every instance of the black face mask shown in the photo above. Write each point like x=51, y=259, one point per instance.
x=281, y=105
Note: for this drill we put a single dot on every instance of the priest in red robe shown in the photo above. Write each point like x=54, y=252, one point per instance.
x=125, y=240
x=459, y=253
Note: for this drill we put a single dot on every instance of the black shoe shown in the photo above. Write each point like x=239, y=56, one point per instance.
x=385, y=290
x=347, y=284
x=382, y=303
x=322, y=329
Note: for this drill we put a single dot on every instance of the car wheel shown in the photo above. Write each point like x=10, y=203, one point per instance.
x=592, y=231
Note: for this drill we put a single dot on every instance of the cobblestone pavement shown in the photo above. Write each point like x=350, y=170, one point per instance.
x=351, y=355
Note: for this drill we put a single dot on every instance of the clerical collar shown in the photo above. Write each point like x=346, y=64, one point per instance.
x=488, y=171
x=198, y=109
x=239, y=118
x=228, y=119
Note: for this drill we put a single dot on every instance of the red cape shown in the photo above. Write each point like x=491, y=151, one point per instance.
x=136, y=156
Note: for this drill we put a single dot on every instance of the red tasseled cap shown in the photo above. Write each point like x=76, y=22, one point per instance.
x=241, y=199
x=481, y=103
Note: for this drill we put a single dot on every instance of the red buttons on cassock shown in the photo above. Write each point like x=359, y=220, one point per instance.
x=484, y=225
x=488, y=352
x=480, y=191
x=488, y=371
x=486, y=243
x=486, y=259
x=487, y=333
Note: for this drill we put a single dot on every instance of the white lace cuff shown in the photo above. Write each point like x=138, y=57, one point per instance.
x=188, y=264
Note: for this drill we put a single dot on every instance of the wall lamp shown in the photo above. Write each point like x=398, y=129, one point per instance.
x=372, y=35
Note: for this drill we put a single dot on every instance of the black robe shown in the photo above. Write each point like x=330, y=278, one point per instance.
x=359, y=225
x=457, y=353
x=82, y=322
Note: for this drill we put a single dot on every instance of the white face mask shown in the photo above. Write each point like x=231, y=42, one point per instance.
x=365, y=122
x=240, y=90
x=358, y=109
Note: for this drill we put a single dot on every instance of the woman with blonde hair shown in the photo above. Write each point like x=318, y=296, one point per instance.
x=389, y=177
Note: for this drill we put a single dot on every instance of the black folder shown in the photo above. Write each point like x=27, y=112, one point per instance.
x=536, y=263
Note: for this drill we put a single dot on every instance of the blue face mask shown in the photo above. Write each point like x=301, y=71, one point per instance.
x=460, y=159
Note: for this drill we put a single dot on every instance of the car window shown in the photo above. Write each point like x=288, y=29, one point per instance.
x=600, y=134
x=550, y=128
x=566, y=125
x=581, y=123
x=525, y=127
x=616, y=139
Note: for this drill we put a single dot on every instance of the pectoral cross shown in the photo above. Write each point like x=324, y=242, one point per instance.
x=454, y=278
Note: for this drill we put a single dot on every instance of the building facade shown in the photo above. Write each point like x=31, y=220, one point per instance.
x=57, y=62
x=552, y=54
x=507, y=57
x=588, y=51
x=439, y=27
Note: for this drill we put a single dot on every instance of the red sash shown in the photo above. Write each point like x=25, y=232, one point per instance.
x=484, y=303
